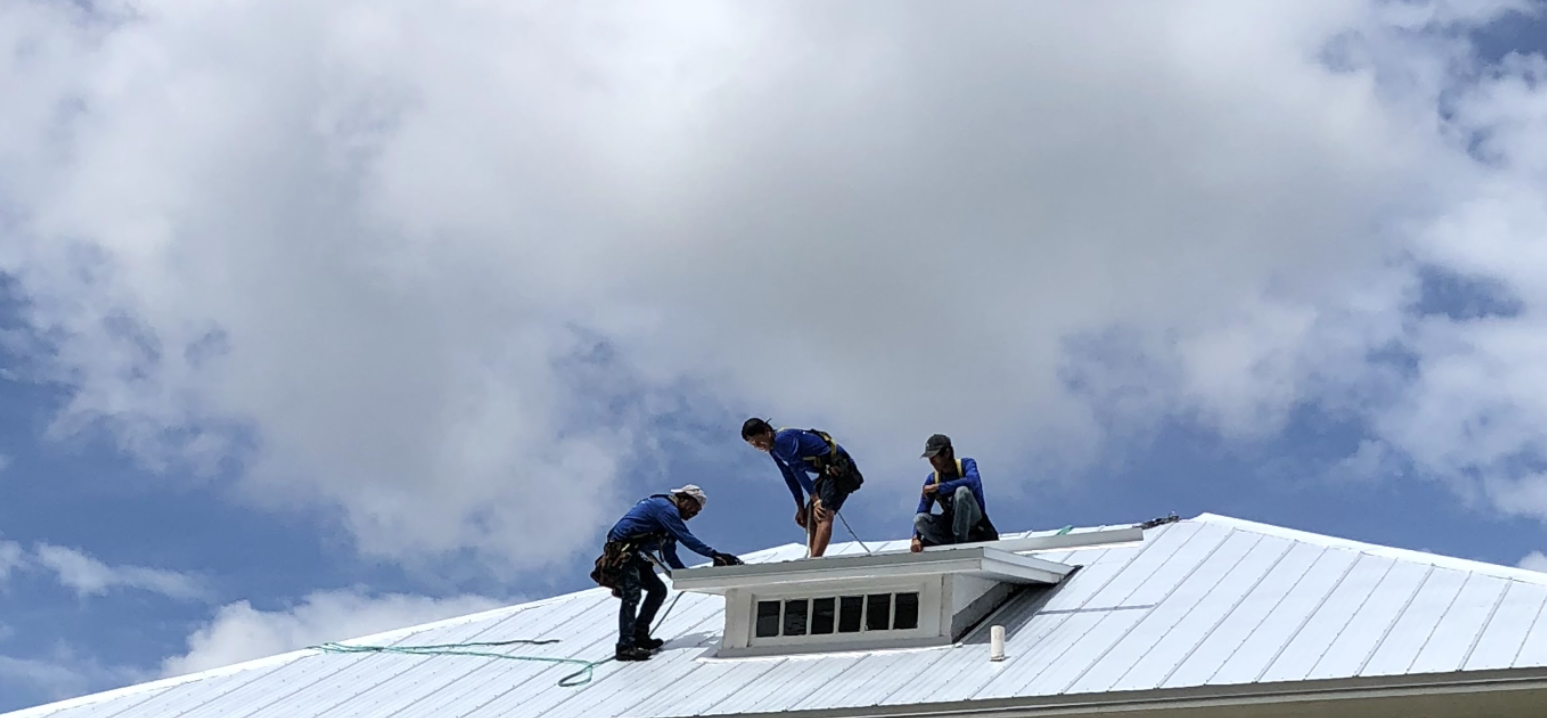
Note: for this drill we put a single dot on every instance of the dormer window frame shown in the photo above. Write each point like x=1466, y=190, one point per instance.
x=742, y=610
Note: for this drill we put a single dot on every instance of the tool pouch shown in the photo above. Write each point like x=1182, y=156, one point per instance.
x=609, y=566
x=839, y=465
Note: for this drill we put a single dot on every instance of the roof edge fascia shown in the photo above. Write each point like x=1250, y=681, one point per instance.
x=1199, y=698
x=978, y=559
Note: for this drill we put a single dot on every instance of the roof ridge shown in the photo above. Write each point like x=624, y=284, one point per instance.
x=1513, y=573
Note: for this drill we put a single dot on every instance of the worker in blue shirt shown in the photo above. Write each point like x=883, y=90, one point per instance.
x=798, y=453
x=653, y=524
x=956, y=486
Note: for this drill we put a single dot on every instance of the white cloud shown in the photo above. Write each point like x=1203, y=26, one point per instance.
x=1534, y=561
x=5, y=462
x=12, y=557
x=89, y=576
x=56, y=680
x=413, y=263
x=62, y=673
x=239, y=632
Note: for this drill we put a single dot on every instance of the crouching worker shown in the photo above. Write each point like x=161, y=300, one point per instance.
x=956, y=486
x=654, y=524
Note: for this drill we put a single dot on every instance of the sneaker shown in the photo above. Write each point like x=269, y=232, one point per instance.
x=631, y=653
x=648, y=643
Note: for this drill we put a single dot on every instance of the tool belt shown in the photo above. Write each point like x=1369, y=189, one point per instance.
x=609, y=565
x=616, y=556
x=837, y=465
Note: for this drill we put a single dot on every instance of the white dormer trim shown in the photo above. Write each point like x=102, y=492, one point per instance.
x=944, y=593
x=980, y=560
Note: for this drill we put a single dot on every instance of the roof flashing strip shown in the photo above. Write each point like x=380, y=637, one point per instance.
x=981, y=561
x=1053, y=541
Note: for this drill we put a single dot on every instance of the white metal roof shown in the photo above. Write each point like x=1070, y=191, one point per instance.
x=1204, y=602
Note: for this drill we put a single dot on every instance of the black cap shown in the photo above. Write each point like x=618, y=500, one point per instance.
x=935, y=445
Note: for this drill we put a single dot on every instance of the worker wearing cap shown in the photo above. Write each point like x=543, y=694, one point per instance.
x=956, y=486
x=654, y=524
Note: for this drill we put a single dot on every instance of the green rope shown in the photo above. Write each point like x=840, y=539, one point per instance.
x=1064, y=530
x=587, y=668
x=455, y=649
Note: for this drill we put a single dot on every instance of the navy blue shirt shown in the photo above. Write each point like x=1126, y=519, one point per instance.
x=791, y=448
x=658, y=516
x=969, y=479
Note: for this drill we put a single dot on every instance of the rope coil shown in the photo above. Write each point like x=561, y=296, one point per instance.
x=586, y=671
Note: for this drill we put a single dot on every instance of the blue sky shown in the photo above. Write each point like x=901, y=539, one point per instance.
x=431, y=396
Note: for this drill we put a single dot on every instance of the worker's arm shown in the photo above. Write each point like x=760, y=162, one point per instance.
x=791, y=481
x=672, y=520
x=786, y=454
x=969, y=478
x=925, y=503
x=669, y=552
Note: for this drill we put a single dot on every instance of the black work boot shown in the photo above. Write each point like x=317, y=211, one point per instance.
x=631, y=653
x=643, y=640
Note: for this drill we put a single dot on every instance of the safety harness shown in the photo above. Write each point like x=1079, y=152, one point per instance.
x=617, y=554
x=985, y=529
x=835, y=463
x=960, y=473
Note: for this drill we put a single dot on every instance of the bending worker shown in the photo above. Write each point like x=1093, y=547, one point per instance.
x=956, y=486
x=654, y=524
x=798, y=452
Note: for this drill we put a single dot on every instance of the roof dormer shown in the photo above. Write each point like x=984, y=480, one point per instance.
x=892, y=599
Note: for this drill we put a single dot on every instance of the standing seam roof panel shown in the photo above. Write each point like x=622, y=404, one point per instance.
x=1367, y=626
x=1506, y=631
x=1461, y=628
x=953, y=667
x=1281, y=624
x=1416, y=623
x=473, y=674
x=803, y=677
x=1201, y=615
x=1533, y=651
x=1031, y=648
x=1152, y=556
x=299, y=675
x=608, y=680
x=1314, y=638
x=967, y=674
x=1185, y=591
x=1236, y=625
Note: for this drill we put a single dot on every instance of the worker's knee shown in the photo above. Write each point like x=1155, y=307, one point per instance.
x=920, y=521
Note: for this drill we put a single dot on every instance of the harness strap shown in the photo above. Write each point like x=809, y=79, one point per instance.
x=832, y=449
x=959, y=473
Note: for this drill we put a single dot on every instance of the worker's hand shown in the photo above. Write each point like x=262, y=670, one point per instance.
x=916, y=546
x=725, y=559
x=822, y=515
x=800, y=517
x=931, y=489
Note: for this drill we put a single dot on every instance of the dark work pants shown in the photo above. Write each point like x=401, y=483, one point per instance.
x=638, y=575
x=954, y=526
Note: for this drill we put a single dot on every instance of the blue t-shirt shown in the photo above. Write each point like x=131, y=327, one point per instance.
x=791, y=448
x=656, y=516
x=969, y=479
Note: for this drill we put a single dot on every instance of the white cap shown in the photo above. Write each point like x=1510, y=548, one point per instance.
x=695, y=492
